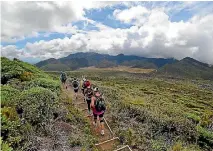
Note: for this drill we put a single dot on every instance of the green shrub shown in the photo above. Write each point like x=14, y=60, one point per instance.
x=9, y=113
x=38, y=105
x=193, y=117
x=5, y=146
x=9, y=70
x=206, y=137
x=17, y=69
x=75, y=141
x=26, y=76
x=47, y=83
x=206, y=118
x=177, y=147
x=17, y=84
x=8, y=95
x=13, y=132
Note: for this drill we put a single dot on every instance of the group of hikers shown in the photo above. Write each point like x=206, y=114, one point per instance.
x=93, y=97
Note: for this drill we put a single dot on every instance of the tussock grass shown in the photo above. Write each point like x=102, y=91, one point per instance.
x=161, y=112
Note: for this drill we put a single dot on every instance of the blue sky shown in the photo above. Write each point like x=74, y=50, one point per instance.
x=104, y=16
x=69, y=28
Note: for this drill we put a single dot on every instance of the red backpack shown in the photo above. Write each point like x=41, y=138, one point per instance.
x=87, y=83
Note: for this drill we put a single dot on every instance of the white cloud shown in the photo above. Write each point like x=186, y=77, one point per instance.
x=152, y=34
x=11, y=51
x=133, y=13
x=22, y=19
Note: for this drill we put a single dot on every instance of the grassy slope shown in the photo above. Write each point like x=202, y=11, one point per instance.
x=55, y=67
x=39, y=95
x=188, y=67
x=164, y=114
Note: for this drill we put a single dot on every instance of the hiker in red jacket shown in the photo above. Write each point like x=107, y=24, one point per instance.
x=85, y=84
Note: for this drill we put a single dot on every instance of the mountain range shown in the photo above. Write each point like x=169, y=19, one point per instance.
x=187, y=67
x=78, y=60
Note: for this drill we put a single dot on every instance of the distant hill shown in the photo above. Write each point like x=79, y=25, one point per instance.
x=48, y=61
x=79, y=60
x=188, y=67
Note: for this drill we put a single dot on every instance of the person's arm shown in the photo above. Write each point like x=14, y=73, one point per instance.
x=85, y=92
x=92, y=102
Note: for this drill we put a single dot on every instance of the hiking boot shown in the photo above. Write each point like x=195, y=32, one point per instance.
x=102, y=132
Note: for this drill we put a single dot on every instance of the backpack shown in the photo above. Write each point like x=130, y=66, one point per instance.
x=89, y=92
x=87, y=83
x=75, y=84
x=63, y=76
x=100, y=104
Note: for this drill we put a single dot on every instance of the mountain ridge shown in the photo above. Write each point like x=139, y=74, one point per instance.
x=94, y=59
x=186, y=67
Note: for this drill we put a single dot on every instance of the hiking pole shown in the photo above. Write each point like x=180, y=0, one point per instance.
x=107, y=141
x=108, y=126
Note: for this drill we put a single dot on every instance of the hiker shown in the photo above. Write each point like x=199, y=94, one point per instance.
x=85, y=84
x=63, y=78
x=98, y=106
x=88, y=97
x=75, y=85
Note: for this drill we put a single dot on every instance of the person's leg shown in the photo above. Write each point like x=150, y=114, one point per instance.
x=88, y=103
x=101, y=117
x=65, y=84
x=76, y=93
x=95, y=119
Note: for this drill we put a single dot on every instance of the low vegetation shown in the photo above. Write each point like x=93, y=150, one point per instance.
x=151, y=113
x=145, y=111
x=34, y=112
x=120, y=68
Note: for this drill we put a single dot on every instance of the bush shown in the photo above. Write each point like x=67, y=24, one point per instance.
x=206, y=137
x=26, y=76
x=8, y=95
x=9, y=70
x=38, y=105
x=18, y=69
x=47, y=83
x=9, y=113
x=13, y=133
x=5, y=146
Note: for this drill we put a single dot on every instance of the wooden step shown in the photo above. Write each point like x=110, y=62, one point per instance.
x=108, y=145
x=124, y=148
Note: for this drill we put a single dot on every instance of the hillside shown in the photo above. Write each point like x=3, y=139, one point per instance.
x=78, y=60
x=188, y=67
x=34, y=112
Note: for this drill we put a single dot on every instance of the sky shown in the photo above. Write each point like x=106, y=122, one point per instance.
x=35, y=31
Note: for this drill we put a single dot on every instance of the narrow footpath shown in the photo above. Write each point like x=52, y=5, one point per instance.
x=108, y=142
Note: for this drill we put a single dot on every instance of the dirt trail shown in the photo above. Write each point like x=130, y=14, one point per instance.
x=108, y=142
